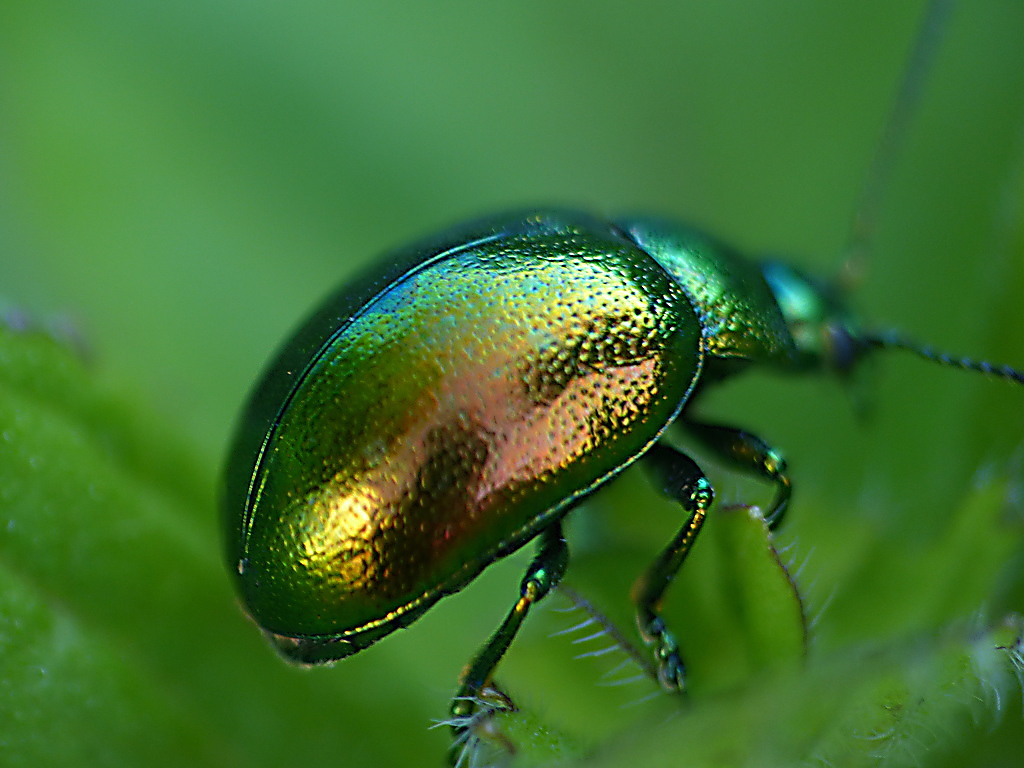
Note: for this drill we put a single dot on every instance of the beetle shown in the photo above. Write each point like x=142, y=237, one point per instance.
x=458, y=400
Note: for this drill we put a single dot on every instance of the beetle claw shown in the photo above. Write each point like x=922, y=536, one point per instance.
x=671, y=670
x=476, y=728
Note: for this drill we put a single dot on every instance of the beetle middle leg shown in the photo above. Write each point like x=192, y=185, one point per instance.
x=748, y=453
x=679, y=478
x=544, y=573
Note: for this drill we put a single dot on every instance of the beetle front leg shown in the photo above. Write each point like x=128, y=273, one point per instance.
x=747, y=453
x=680, y=479
x=544, y=573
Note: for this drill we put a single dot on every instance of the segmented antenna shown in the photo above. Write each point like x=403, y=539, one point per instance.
x=895, y=340
x=865, y=220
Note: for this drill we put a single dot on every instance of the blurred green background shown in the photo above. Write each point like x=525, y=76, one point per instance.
x=183, y=181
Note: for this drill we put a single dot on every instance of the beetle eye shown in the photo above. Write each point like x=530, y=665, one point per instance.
x=841, y=348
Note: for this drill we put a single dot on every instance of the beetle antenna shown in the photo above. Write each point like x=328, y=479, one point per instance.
x=895, y=340
x=865, y=220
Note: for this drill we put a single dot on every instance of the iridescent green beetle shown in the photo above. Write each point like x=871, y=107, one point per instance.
x=460, y=399
x=457, y=402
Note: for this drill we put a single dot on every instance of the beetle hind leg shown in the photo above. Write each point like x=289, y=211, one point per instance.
x=680, y=479
x=545, y=571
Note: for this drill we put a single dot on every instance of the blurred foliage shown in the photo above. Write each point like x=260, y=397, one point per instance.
x=183, y=181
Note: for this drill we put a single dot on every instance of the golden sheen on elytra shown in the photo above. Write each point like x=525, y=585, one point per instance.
x=453, y=416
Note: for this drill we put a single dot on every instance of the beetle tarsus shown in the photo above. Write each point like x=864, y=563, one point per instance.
x=479, y=728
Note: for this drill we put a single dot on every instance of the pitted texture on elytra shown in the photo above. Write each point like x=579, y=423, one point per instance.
x=453, y=416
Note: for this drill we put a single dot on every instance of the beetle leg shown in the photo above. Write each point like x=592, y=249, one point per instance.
x=544, y=573
x=747, y=453
x=679, y=478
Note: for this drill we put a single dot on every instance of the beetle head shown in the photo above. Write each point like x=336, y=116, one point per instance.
x=825, y=334
x=823, y=329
